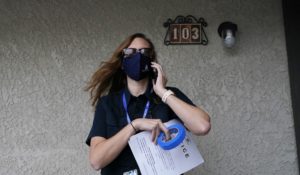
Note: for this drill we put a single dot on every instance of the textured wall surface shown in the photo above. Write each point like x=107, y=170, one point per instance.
x=49, y=49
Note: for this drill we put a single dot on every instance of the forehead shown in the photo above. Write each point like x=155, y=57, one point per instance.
x=139, y=43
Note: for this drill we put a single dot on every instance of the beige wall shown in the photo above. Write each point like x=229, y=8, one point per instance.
x=48, y=50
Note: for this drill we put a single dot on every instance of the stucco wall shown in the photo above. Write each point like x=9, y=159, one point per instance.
x=49, y=49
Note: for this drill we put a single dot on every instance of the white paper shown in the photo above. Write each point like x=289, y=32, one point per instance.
x=153, y=160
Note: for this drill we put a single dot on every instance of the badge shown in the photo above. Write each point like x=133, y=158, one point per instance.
x=131, y=172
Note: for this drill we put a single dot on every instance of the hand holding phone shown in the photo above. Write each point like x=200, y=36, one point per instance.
x=160, y=79
x=153, y=74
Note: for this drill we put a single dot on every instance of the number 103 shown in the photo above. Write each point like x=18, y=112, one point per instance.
x=185, y=33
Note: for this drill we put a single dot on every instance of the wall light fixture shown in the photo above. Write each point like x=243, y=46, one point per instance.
x=227, y=31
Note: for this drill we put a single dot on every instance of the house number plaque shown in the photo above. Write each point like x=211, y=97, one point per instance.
x=185, y=30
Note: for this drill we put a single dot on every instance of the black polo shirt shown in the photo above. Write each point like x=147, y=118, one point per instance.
x=110, y=118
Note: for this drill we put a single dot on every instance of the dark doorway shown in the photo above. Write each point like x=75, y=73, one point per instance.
x=291, y=11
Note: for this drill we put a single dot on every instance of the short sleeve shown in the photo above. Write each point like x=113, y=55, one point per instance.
x=99, y=123
x=181, y=95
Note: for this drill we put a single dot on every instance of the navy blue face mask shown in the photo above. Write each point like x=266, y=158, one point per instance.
x=137, y=66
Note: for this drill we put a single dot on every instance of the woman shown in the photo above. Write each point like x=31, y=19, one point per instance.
x=128, y=100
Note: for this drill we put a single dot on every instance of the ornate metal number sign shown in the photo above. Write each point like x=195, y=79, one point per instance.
x=185, y=30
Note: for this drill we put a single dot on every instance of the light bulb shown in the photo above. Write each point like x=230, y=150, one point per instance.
x=229, y=39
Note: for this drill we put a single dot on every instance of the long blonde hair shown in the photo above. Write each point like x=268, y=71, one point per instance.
x=109, y=77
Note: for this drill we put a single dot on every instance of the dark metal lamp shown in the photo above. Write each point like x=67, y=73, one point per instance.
x=227, y=31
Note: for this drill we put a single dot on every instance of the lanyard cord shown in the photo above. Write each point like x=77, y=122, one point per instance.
x=125, y=107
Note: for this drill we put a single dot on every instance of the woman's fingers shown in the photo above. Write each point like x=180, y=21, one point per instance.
x=165, y=130
x=157, y=134
x=153, y=125
x=161, y=81
x=158, y=68
x=161, y=127
x=153, y=135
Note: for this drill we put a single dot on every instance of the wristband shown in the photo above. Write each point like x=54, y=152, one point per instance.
x=133, y=127
x=166, y=95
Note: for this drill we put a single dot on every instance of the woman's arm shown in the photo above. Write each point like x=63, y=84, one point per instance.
x=194, y=118
x=104, y=151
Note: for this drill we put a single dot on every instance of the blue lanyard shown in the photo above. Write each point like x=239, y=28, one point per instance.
x=125, y=107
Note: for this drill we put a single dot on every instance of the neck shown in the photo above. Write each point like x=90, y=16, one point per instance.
x=137, y=88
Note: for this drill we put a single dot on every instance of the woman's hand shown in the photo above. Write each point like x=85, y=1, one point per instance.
x=153, y=125
x=161, y=80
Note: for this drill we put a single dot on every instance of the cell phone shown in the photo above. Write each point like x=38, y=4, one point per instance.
x=153, y=74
